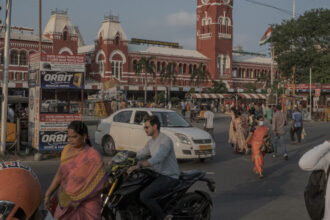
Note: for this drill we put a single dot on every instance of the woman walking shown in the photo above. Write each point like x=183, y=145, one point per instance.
x=237, y=132
x=257, y=137
x=80, y=178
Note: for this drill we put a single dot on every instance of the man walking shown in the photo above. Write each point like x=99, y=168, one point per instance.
x=279, y=122
x=208, y=126
x=297, y=125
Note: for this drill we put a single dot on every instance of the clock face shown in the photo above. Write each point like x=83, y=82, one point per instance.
x=205, y=1
x=226, y=2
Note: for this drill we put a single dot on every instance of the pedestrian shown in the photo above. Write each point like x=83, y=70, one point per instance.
x=269, y=113
x=318, y=158
x=257, y=138
x=297, y=126
x=237, y=133
x=279, y=123
x=114, y=105
x=11, y=114
x=160, y=151
x=79, y=179
x=209, y=118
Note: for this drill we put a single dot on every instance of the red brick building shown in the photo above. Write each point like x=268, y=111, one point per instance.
x=110, y=60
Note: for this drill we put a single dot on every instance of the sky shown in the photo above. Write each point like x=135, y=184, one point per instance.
x=163, y=20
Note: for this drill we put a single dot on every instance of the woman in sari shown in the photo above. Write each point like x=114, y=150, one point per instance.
x=237, y=131
x=257, y=137
x=80, y=178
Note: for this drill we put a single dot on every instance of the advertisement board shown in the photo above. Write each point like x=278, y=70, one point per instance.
x=66, y=63
x=61, y=80
x=52, y=140
x=51, y=122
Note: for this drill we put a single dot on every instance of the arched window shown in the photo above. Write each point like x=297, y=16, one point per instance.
x=13, y=57
x=113, y=67
x=220, y=24
x=184, y=68
x=163, y=66
x=22, y=58
x=134, y=65
x=1, y=57
x=190, y=69
x=158, y=66
x=65, y=35
x=226, y=24
x=117, y=40
x=180, y=68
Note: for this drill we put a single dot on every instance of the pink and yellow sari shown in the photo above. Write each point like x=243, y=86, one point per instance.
x=256, y=142
x=82, y=178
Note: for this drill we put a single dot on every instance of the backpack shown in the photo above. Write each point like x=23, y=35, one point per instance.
x=315, y=193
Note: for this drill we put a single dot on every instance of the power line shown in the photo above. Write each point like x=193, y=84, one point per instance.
x=286, y=11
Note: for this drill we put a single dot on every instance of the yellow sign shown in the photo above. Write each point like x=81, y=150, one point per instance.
x=205, y=147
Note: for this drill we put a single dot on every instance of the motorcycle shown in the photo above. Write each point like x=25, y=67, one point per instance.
x=121, y=197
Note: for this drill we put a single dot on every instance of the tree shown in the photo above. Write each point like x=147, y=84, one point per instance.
x=218, y=87
x=169, y=74
x=250, y=87
x=199, y=75
x=304, y=43
x=147, y=66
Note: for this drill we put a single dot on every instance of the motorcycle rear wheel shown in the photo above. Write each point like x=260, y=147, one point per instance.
x=194, y=206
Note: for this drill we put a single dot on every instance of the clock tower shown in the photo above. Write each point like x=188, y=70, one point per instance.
x=215, y=36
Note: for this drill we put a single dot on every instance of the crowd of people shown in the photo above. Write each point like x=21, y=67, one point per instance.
x=248, y=132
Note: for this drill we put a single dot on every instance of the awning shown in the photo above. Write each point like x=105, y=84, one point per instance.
x=252, y=96
x=207, y=96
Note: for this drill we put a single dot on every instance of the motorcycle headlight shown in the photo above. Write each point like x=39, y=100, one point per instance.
x=183, y=138
x=5, y=208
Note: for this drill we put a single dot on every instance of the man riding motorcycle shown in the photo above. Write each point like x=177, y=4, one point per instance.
x=163, y=161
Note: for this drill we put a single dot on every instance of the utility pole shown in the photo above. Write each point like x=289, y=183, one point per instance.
x=310, y=93
x=40, y=26
x=5, y=80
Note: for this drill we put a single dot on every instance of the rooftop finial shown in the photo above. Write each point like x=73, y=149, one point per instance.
x=58, y=11
x=111, y=17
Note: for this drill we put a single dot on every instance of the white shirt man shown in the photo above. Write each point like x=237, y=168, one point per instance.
x=209, y=117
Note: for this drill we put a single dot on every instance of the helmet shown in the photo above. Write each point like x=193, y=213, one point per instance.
x=20, y=191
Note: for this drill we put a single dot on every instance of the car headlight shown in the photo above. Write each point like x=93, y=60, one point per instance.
x=183, y=138
x=5, y=208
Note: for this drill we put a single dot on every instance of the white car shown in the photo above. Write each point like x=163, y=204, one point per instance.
x=124, y=130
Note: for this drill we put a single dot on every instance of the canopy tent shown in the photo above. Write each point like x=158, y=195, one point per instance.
x=252, y=96
x=207, y=96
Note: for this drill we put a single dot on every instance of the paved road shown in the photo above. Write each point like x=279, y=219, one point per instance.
x=240, y=195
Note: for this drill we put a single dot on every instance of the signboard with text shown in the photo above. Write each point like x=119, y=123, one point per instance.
x=63, y=80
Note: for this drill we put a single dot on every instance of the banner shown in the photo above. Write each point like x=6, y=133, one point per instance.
x=62, y=80
x=67, y=63
x=52, y=140
x=57, y=122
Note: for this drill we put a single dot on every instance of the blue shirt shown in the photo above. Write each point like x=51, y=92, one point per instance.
x=162, y=154
x=297, y=117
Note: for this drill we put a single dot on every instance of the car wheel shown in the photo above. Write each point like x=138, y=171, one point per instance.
x=108, y=145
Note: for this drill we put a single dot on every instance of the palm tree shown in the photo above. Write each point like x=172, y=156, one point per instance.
x=199, y=75
x=146, y=66
x=169, y=74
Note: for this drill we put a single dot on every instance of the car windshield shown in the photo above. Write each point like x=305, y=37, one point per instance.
x=171, y=119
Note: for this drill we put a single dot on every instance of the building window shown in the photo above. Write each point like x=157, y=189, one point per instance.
x=101, y=67
x=180, y=68
x=1, y=57
x=134, y=65
x=113, y=67
x=163, y=66
x=184, y=68
x=234, y=73
x=117, y=40
x=226, y=24
x=22, y=58
x=13, y=57
x=224, y=65
x=220, y=25
x=190, y=69
x=158, y=66
x=65, y=35
x=116, y=71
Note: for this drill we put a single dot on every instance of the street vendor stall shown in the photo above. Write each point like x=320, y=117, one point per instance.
x=56, y=84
